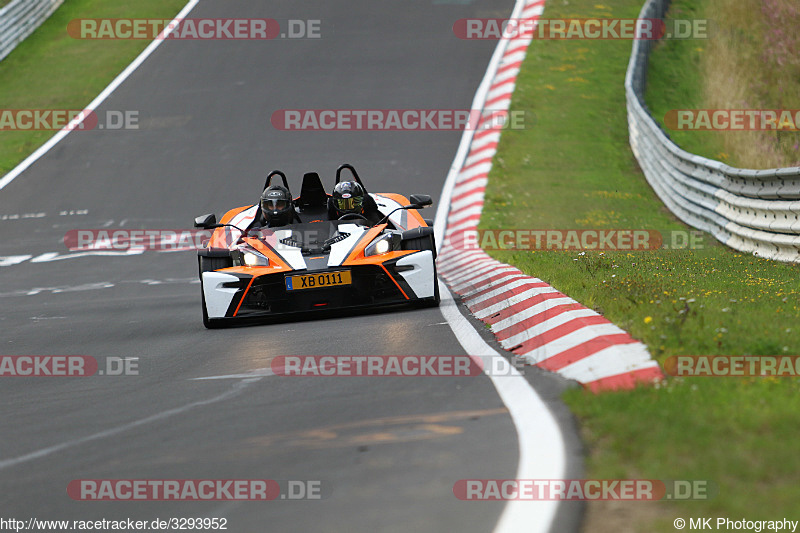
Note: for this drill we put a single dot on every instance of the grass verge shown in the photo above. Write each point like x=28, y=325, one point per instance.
x=574, y=169
x=749, y=61
x=51, y=70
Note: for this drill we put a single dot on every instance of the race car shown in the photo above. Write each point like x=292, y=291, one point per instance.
x=316, y=261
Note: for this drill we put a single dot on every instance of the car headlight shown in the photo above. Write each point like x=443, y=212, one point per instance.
x=247, y=256
x=255, y=259
x=381, y=245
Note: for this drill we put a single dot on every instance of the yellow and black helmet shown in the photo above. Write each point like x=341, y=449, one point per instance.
x=348, y=197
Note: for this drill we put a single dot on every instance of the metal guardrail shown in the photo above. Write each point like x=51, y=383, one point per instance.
x=753, y=211
x=18, y=20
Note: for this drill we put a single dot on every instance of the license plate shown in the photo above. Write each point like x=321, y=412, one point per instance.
x=315, y=281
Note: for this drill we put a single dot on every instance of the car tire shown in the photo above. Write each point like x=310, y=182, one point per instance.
x=421, y=243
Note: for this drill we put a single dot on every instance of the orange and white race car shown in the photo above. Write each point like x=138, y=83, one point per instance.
x=382, y=254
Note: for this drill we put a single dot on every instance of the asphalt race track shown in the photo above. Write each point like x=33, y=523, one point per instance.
x=387, y=450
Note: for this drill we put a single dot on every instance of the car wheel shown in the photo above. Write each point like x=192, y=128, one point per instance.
x=421, y=243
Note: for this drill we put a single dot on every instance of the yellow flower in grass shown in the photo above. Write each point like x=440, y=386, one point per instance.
x=648, y=319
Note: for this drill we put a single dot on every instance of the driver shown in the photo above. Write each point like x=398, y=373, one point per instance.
x=277, y=206
x=349, y=197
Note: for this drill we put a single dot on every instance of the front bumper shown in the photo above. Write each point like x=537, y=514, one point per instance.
x=242, y=295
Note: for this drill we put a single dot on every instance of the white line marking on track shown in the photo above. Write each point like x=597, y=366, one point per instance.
x=98, y=285
x=541, y=445
x=47, y=257
x=542, y=453
x=56, y=290
x=258, y=372
x=13, y=260
x=55, y=139
x=55, y=256
x=22, y=216
x=44, y=452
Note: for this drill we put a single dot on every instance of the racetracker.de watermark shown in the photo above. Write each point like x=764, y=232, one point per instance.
x=176, y=240
x=733, y=119
x=393, y=366
x=575, y=239
x=67, y=119
x=401, y=119
x=73, y=366
x=583, y=489
x=197, y=489
x=581, y=29
x=195, y=29
x=170, y=240
x=733, y=366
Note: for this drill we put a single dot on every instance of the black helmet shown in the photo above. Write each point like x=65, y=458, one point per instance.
x=348, y=197
x=277, y=206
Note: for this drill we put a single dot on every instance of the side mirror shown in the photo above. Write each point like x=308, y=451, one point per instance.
x=422, y=200
x=205, y=221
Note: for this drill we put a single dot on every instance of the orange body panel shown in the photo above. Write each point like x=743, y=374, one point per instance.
x=415, y=220
x=218, y=239
x=275, y=261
